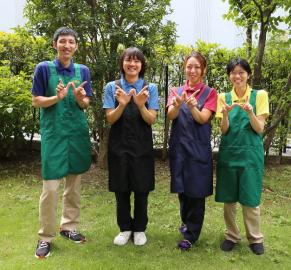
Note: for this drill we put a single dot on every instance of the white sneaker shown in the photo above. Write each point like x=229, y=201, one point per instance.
x=139, y=238
x=122, y=238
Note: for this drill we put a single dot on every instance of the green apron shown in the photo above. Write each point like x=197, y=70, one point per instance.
x=240, y=161
x=65, y=142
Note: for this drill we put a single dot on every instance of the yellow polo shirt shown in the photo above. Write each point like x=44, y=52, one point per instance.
x=262, y=101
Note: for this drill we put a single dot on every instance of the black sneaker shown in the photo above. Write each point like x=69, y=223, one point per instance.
x=227, y=245
x=257, y=248
x=73, y=235
x=43, y=249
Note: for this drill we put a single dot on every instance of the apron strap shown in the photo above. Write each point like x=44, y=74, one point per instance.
x=180, y=90
x=202, y=98
x=52, y=68
x=253, y=99
x=77, y=70
x=118, y=83
x=228, y=99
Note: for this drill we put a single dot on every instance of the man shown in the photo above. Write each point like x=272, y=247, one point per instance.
x=61, y=89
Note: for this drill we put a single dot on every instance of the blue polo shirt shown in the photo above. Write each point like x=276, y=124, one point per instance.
x=109, y=94
x=42, y=74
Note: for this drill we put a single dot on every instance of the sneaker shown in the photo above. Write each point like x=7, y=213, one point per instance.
x=43, y=249
x=122, y=238
x=184, y=245
x=139, y=238
x=73, y=235
x=257, y=248
x=227, y=245
x=182, y=228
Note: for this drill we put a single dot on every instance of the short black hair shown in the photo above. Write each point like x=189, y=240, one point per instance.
x=65, y=31
x=133, y=52
x=238, y=62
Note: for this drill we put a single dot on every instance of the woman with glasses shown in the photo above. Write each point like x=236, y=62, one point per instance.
x=240, y=163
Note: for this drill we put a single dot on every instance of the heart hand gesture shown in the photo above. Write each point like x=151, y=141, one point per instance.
x=225, y=109
x=247, y=106
x=192, y=102
x=61, y=90
x=79, y=92
x=122, y=97
x=141, y=98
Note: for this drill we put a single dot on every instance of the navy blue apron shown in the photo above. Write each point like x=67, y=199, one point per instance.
x=190, y=152
x=130, y=152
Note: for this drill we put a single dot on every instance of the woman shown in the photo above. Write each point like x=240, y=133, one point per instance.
x=240, y=164
x=191, y=107
x=131, y=107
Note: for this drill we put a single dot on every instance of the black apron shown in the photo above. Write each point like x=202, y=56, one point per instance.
x=130, y=152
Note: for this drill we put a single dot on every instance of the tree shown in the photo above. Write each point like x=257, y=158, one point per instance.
x=18, y=53
x=243, y=14
x=261, y=14
x=104, y=28
x=277, y=79
x=15, y=110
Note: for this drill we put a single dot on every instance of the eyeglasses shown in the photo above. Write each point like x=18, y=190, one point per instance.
x=240, y=73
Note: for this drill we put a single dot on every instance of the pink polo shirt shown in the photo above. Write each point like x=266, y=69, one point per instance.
x=210, y=101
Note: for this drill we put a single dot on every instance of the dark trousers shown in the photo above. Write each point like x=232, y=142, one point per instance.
x=123, y=211
x=192, y=215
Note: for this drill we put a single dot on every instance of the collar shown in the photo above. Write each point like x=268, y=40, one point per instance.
x=197, y=86
x=136, y=85
x=235, y=98
x=61, y=68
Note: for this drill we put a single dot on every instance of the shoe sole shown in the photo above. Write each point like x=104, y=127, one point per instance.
x=41, y=257
x=123, y=244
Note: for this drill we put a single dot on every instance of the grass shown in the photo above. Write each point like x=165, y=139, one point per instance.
x=20, y=187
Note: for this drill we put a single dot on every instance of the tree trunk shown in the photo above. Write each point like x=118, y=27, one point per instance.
x=103, y=147
x=249, y=41
x=256, y=83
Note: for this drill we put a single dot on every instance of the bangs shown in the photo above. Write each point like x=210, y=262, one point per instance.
x=133, y=53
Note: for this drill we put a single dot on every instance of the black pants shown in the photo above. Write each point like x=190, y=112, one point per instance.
x=192, y=215
x=123, y=211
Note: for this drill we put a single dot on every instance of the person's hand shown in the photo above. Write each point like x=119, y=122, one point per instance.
x=122, y=97
x=61, y=90
x=247, y=106
x=79, y=92
x=225, y=109
x=141, y=98
x=192, y=102
x=177, y=101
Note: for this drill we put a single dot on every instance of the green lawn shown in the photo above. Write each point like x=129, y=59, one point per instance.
x=20, y=187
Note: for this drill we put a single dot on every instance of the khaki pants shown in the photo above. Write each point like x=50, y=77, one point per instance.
x=48, y=206
x=251, y=217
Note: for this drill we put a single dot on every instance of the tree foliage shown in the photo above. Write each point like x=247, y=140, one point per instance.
x=105, y=28
x=265, y=15
x=15, y=109
x=19, y=51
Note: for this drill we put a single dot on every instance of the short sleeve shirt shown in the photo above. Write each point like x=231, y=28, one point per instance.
x=262, y=101
x=210, y=101
x=42, y=75
x=109, y=93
